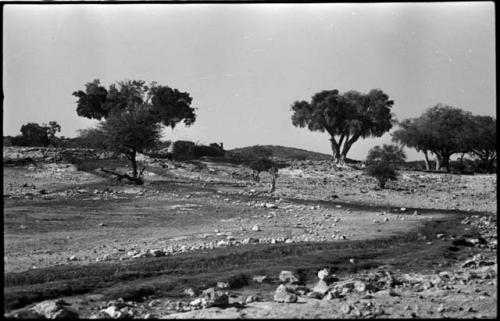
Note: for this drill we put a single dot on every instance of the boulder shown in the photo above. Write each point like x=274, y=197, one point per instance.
x=321, y=288
x=260, y=278
x=284, y=295
x=322, y=274
x=213, y=298
x=288, y=277
x=54, y=309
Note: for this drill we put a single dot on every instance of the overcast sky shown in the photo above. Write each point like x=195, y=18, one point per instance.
x=245, y=64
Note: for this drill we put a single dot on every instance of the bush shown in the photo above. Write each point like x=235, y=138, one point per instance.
x=202, y=150
x=382, y=172
x=381, y=163
x=183, y=147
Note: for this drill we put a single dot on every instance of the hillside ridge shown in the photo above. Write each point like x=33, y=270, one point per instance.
x=279, y=152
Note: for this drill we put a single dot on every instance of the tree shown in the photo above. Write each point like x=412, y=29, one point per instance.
x=345, y=117
x=265, y=165
x=133, y=114
x=52, y=129
x=381, y=163
x=91, y=138
x=444, y=130
x=33, y=134
x=445, y=125
x=413, y=134
x=483, y=142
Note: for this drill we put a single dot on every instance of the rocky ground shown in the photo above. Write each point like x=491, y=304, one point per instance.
x=57, y=215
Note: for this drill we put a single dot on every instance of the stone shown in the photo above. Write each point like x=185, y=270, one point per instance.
x=213, y=298
x=345, y=308
x=196, y=302
x=190, y=291
x=260, y=278
x=284, y=295
x=54, y=309
x=332, y=294
x=222, y=243
x=256, y=228
x=288, y=277
x=322, y=274
x=222, y=285
x=440, y=308
x=360, y=286
x=314, y=295
x=321, y=288
x=436, y=280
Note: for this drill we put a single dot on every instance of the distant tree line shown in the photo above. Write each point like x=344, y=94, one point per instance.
x=133, y=113
x=33, y=134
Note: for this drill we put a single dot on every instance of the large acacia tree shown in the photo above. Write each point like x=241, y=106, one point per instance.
x=345, y=117
x=133, y=113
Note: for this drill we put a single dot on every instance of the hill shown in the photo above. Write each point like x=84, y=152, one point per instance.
x=280, y=152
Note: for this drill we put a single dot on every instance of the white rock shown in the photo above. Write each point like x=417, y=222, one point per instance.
x=322, y=274
x=256, y=228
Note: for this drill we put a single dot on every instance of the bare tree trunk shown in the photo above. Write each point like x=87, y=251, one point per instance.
x=136, y=180
x=134, y=163
x=446, y=162
x=438, y=162
x=347, y=146
x=462, y=163
x=337, y=158
x=273, y=183
x=427, y=161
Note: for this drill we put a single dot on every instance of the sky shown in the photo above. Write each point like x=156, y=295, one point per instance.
x=245, y=64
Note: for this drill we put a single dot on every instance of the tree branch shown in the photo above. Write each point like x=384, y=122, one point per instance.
x=137, y=181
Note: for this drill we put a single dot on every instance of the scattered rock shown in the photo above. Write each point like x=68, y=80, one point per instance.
x=288, y=277
x=285, y=295
x=260, y=278
x=214, y=298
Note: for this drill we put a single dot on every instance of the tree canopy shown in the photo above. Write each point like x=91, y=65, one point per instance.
x=34, y=134
x=444, y=130
x=169, y=106
x=345, y=117
x=484, y=138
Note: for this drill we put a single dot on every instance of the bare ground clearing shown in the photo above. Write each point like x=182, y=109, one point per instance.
x=55, y=215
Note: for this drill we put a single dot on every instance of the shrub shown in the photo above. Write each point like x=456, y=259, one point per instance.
x=212, y=150
x=381, y=163
x=382, y=172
